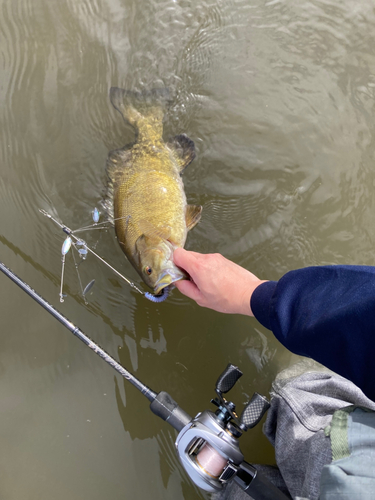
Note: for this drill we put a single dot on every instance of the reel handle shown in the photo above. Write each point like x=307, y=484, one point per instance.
x=254, y=411
x=228, y=378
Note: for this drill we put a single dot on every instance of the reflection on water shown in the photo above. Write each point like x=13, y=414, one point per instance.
x=278, y=97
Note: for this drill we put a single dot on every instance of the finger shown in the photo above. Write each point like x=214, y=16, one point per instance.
x=189, y=289
x=184, y=259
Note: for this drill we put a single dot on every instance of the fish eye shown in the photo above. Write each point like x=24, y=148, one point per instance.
x=148, y=270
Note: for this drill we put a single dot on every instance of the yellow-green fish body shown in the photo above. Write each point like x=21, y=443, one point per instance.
x=150, y=211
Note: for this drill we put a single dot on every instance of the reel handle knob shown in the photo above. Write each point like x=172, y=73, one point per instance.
x=228, y=378
x=254, y=411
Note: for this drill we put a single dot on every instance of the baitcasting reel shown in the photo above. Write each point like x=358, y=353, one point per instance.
x=208, y=445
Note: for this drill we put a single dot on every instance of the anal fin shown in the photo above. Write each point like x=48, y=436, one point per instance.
x=183, y=149
x=193, y=215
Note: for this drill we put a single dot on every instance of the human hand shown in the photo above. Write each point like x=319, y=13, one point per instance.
x=217, y=283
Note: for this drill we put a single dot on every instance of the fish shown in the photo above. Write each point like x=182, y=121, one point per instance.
x=145, y=193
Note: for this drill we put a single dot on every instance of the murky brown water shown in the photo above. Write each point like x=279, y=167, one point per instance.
x=279, y=99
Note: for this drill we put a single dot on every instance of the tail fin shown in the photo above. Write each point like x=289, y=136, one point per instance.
x=135, y=105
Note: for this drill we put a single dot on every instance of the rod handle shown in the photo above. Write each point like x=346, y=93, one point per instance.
x=256, y=484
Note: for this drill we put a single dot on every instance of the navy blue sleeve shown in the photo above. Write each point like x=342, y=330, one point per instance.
x=326, y=313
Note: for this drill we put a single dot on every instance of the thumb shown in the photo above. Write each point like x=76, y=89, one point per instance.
x=184, y=259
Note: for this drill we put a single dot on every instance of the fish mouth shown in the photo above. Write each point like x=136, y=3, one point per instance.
x=167, y=278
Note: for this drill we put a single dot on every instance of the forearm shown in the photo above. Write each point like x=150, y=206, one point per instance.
x=326, y=313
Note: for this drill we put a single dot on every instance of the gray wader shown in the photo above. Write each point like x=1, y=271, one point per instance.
x=323, y=429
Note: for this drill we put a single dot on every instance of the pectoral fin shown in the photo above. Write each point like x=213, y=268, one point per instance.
x=193, y=215
x=183, y=150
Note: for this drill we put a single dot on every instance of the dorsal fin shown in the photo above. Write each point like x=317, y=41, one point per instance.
x=183, y=150
x=116, y=162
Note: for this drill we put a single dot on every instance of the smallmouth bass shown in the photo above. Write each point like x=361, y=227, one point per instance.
x=145, y=193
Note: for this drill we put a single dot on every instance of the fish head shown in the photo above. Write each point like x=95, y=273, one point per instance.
x=156, y=266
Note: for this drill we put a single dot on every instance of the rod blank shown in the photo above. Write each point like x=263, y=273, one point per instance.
x=146, y=391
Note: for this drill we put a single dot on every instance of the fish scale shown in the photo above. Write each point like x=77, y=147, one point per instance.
x=161, y=205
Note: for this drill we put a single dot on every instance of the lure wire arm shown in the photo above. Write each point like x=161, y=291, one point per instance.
x=70, y=233
x=79, y=278
x=62, y=278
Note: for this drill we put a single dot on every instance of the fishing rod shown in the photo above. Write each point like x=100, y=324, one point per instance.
x=207, y=445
